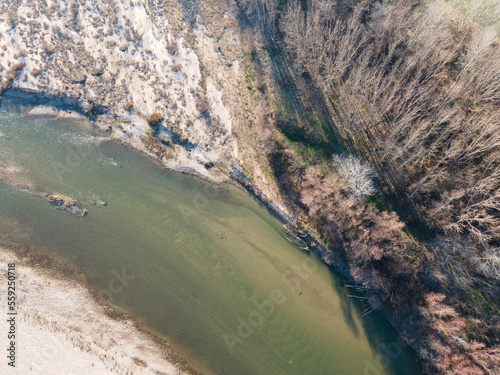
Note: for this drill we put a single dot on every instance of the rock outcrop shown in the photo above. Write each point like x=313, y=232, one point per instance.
x=67, y=204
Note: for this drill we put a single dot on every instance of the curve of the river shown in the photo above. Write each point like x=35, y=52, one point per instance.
x=208, y=269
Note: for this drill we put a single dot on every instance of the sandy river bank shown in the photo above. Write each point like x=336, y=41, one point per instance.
x=61, y=329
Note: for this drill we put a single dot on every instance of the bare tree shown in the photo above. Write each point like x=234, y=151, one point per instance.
x=414, y=90
x=356, y=177
x=264, y=12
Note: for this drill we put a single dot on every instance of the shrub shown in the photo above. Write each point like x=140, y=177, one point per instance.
x=203, y=106
x=268, y=142
x=172, y=48
x=154, y=119
x=375, y=249
x=176, y=67
x=17, y=68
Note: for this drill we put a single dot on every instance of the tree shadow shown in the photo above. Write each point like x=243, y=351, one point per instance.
x=393, y=355
x=304, y=103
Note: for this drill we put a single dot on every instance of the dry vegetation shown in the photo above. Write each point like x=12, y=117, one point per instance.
x=154, y=119
x=413, y=89
x=422, y=104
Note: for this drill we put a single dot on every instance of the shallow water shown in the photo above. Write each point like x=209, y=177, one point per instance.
x=209, y=269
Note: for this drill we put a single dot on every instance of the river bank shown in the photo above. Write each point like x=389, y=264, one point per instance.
x=62, y=329
x=41, y=104
x=138, y=65
x=198, y=258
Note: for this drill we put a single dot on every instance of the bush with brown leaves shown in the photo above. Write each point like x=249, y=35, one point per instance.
x=154, y=119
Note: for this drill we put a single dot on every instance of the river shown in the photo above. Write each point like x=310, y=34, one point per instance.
x=208, y=269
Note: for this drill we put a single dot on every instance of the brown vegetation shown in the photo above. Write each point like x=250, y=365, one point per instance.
x=176, y=67
x=172, y=48
x=128, y=106
x=17, y=67
x=372, y=241
x=154, y=119
x=162, y=149
x=35, y=72
x=203, y=106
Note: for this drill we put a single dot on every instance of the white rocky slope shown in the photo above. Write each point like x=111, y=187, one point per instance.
x=121, y=55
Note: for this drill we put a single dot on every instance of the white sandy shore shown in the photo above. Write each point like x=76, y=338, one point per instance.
x=62, y=330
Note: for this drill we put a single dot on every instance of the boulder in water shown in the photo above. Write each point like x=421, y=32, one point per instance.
x=67, y=204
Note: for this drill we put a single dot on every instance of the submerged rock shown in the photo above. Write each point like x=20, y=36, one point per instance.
x=98, y=202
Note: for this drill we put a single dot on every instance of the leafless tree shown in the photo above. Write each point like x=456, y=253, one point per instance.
x=264, y=12
x=356, y=177
x=415, y=90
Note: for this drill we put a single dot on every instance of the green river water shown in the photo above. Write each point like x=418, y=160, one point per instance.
x=194, y=262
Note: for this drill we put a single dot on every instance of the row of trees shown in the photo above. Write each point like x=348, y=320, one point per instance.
x=418, y=91
x=413, y=89
x=384, y=264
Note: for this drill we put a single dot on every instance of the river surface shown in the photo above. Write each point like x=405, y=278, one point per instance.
x=208, y=269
